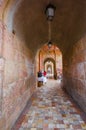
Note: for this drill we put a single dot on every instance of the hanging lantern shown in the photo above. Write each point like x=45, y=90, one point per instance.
x=50, y=11
x=49, y=44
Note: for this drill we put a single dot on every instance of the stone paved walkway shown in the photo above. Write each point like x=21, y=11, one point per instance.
x=51, y=109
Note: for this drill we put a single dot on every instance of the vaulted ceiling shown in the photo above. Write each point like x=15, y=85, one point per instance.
x=68, y=26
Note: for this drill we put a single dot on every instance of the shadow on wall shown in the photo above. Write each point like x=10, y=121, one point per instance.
x=75, y=74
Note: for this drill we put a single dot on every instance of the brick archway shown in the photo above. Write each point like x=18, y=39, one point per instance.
x=50, y=63
x=20, y=39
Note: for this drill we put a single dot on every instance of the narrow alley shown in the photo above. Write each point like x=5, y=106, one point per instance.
x=51, y=109
x=42, y=40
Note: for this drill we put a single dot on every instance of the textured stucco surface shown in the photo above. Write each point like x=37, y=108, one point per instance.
x=28, y=20
x=23, y=30
x=17, y=80
x=75, y=73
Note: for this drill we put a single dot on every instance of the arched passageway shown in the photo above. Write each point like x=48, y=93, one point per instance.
x=50, y=67
x=50, y=60
x=23, y=29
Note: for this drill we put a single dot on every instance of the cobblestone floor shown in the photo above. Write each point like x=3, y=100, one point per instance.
x=51, y=109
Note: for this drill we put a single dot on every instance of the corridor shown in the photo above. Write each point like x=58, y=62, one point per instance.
x=51, y=109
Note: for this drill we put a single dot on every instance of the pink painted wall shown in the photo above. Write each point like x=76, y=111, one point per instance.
x=75, y=73
x=17, y=80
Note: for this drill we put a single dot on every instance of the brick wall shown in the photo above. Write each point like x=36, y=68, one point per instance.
x=17, y=80
x=53, y=53
x=75, y=73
